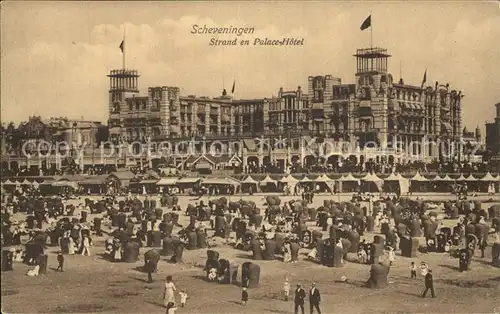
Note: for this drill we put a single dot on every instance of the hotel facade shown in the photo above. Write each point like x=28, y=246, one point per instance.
x=375, y=117
x=374, y=110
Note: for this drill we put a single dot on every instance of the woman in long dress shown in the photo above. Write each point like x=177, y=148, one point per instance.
x=169, y=295
x=71, y=247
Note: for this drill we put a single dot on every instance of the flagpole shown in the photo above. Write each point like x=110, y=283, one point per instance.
x=124, y=48
x=371, y=31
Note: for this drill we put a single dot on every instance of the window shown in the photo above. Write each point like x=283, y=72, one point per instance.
x=130, y=106
x=144, y=105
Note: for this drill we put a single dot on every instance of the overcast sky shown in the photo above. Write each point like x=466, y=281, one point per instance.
x=55, y=56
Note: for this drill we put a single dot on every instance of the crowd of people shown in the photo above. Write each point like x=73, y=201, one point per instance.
x=398, y=218
x=352, y=165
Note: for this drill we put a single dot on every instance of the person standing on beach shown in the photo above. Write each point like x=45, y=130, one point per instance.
x=169, y=294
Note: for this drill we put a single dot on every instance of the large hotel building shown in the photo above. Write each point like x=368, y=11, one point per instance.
x=376, y=108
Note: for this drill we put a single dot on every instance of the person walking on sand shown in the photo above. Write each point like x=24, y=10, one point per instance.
x=286, y=289
x=413, y=271
x=171, y=308
x=314, y=299
x=169, y=294
x=244, y=296
x=184, y=297
x=60, y=260
x=300, y=295
x=429, y=284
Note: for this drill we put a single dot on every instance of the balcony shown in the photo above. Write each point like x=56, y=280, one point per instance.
x=141, y=114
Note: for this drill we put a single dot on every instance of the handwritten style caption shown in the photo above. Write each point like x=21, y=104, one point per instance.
x=240, y=32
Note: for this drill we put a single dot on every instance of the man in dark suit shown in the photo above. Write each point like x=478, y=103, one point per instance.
x=300, y=295
x=429, y=284
x=314, y=299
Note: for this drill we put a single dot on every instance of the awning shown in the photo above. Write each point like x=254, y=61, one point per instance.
x=149, y=181
x=167, y=181
x=226, y=118
x=188, y=180
x=71, y=184
x=115, y=131
x=215, y=182
x=317, y=106
x=92, y=182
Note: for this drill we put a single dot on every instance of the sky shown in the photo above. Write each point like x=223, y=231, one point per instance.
x=55, y=56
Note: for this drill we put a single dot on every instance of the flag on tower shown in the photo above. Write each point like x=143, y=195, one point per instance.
x=367, y=23
x=122, y=45
x=425, y=78
x=232, y=89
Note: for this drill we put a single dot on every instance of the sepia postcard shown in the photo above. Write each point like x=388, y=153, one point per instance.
x=250, y=156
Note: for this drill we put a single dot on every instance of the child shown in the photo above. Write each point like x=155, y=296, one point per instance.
x=60, y=260
x=362, y=256
x=184, y=297
x=286, y=289
x=392, y=255
x=244, y=296
x=413, y=270
x=424, y=269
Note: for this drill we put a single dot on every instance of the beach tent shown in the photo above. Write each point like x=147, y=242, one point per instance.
x=305, y=179
x=372, y=179
x=267, y=180
x=349, y=178
x=471, y=178
x=489, y=178
x=419, y=178
x=249, y=180
x=446, y=178
x=461, y=178
x=404, y=184
x=289, y=179
x=323, y=178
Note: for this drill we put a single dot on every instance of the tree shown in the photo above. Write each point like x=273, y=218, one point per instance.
x=102, y=135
